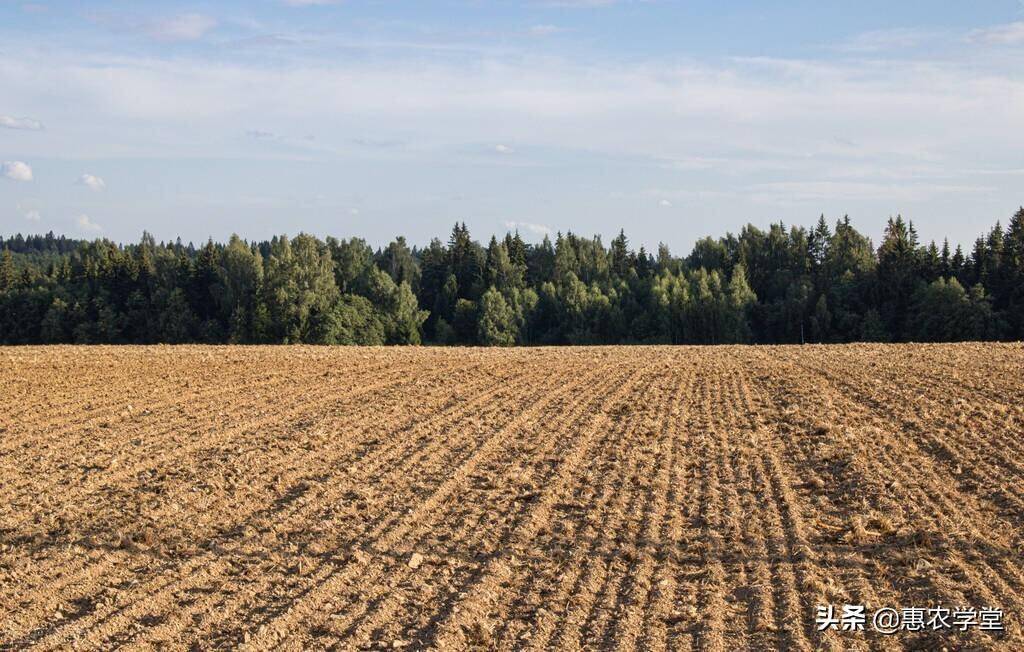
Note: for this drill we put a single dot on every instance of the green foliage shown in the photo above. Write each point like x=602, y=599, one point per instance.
x=177, y=322
x=7, y=272
x=497, y=323
x=399, y=308
x=239, y=279
x=738, y=304
x=944, y=312
x=821, y=321
x=352, y=261
x=780, y=284
x=351, y=320
x=464, y=321
x=872, y=329
x=54, y=327
x=299, y=283
x=444, y=333
x=400, y=264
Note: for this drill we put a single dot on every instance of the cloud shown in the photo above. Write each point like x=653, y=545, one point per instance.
x=728, y=122
x=503, y=149
x=29, y=210
x=17, y=170
x=669, y=197
x=377, y=143
x=1008, y=34
x=815, y=192
x=258, y=134
x=27, y=124
x=91, y=181
x=538, y=229
x=264, y=41
x=890, y=39
x=86, y=224
x=184, y=27
x=544, y=30
x=181, y=27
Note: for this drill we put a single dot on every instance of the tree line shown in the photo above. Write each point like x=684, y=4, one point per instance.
x=780, y=285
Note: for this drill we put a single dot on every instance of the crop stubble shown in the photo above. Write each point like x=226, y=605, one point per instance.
x=626, y=498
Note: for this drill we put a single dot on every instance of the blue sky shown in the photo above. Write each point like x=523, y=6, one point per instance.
x=673, y=119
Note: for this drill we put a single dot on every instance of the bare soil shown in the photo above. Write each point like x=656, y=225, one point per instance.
x=655, y=498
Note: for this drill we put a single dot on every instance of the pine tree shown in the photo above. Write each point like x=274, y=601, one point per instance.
x=821, y=321
x=397, y=260
x=204, y=278
x=664, y=261
x=466, y=260
x=1013, y=274
x=7, y=273
x=957, y=263
x=899, y=272
x=759, y=285
x=564, y=261
x=516, y=249
x=931, y=267
x=540, y=263
x=619, y=255
x=1013, y=244
x=818, y=242
x=499, y=271
x=239, y=282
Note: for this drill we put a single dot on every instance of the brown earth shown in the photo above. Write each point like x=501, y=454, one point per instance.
x=573, y=498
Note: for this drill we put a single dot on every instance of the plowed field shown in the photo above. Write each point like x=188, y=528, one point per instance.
x=595, y=498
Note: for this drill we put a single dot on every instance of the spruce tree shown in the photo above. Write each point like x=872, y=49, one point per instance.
x=7, y=273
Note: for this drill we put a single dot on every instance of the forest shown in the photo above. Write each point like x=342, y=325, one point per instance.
x=827, y=283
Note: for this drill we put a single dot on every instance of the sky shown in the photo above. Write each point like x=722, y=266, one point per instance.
x=673, y=119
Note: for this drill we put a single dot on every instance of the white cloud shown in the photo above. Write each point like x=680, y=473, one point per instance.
x=723, y=124
x=544, y=30
x=17, y=170
x=86, y=224
x=815, y=192
x=1008, y=34
x=890, y=39
x=180, y=27
x=538, y=229
x=184, y=27
x=27, y=124
x=503, y=149
x=91, y=181
x=669, y=197
x=29, y=210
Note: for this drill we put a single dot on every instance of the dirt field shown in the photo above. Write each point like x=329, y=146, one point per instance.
x=602, y=498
